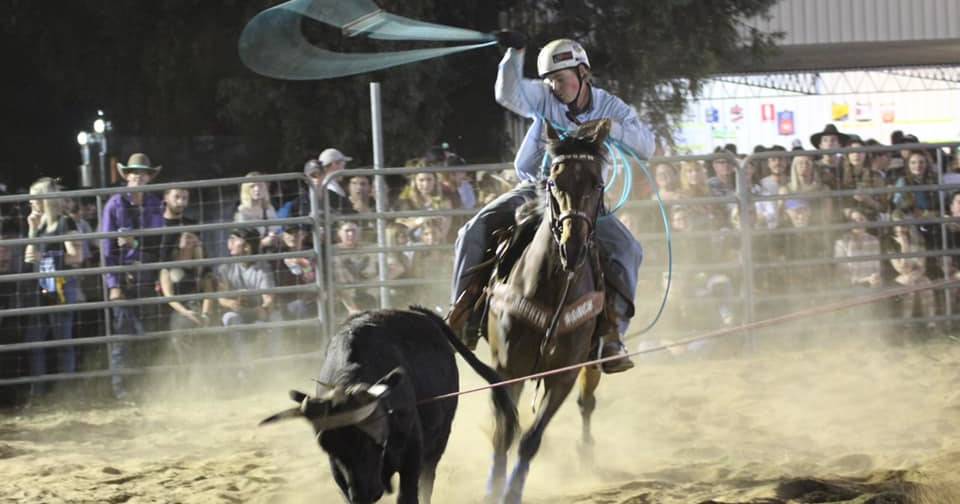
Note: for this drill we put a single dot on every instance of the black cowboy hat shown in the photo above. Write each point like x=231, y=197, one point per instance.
x=773, y=148
x=249, y=235
x=731, y=148
x=829, y=129
x=854, y=138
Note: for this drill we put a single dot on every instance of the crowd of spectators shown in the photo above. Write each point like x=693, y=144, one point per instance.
x=793, y=253
x=425, y=265
x=805, y=239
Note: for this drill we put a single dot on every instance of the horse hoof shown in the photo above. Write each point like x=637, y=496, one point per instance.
x=585, y=451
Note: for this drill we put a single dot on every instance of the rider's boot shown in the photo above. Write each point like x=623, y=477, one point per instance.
x=610, y=342
x=611, y=345
x=464, y=317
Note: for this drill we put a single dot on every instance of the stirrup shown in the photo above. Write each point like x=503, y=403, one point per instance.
x=611, y=348
x=460, y=311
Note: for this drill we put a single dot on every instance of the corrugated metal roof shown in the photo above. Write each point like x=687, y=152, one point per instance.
x=844, y=21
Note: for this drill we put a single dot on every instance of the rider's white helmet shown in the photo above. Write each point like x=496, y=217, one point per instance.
x=561, y=54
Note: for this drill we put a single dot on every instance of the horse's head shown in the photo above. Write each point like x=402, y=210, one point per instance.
x=575, y=188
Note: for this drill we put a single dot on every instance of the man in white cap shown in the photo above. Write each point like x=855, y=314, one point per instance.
x=330, y=161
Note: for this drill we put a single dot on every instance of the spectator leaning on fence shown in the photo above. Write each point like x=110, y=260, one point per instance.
x=423, y=193
x=183, y=280
x=353, y=268
x=330, y=161
x=859, y=173
x=724, y=179
x=255, y=205
x=47, y=219
x=130, y=212
x=828, y=166
x=246, y=275
x=854, y=243
x=296, y=271
x=668, y=184
x=911, y=271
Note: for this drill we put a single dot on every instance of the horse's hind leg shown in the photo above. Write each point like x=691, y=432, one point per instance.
x=588, y=381
x=501, y=445
x=555, y=390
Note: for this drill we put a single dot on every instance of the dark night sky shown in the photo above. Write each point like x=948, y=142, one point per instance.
x=133, y=60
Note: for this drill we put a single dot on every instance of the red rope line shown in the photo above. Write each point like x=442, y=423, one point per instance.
x=801, y=314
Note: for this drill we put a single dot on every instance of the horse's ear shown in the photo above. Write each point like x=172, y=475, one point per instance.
x=552, y=134
x=597, y=131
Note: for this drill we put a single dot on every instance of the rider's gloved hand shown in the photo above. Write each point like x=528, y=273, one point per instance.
x=510, y=38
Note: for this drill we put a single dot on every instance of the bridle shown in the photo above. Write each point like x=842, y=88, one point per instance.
x=556, y=217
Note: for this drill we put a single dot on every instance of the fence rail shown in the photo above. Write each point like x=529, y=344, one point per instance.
x=745, y=269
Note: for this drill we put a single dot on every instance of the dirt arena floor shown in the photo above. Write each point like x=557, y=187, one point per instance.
x=860, y=423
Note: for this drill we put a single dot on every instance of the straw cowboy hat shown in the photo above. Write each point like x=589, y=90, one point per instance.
x=138, y=162
x=828, y=130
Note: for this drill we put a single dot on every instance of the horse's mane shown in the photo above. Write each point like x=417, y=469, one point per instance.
x=577, y=145
x=567, y=145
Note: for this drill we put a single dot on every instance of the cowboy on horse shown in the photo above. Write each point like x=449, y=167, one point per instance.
x=566, y=98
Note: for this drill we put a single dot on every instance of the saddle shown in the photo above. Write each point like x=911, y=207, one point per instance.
x=499, y=297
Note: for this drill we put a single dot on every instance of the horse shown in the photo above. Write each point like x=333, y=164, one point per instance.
x=545, y=308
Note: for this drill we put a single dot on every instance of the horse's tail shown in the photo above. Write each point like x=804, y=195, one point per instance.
x=501, y=399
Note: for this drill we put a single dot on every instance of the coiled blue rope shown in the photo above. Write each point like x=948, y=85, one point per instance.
x=619, y=159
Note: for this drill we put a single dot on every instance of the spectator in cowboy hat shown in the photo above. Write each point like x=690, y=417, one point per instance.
x=829, y=164
x=724, y=179
x=131, y=212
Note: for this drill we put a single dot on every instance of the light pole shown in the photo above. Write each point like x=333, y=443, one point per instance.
x=99, y=137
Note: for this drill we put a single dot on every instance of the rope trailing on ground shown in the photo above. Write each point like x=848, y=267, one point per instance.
x=798, y=315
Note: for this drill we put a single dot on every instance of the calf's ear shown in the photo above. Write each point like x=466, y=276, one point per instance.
x=385, y=384
x=297, y=396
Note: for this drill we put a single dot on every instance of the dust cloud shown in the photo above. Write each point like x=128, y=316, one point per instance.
x=851, y=419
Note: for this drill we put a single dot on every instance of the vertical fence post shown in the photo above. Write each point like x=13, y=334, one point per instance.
x=381, y=191
x=104, y=291
x=945, y=260
x=321, y=270
x=744, y=200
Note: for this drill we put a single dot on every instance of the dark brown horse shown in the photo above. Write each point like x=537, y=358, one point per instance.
x=544, y=312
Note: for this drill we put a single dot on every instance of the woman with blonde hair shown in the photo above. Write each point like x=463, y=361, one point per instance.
x=423, y=193
x=804, y=177
x=255, y=205
x=47, y=218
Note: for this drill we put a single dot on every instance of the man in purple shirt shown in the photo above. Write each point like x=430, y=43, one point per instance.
x=131, y=212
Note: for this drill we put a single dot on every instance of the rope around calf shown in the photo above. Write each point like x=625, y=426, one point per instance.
x=801, y=314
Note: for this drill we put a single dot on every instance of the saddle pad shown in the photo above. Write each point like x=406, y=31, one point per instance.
x=504, y=299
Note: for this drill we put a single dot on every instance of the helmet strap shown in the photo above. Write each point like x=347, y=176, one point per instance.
x=572, y=109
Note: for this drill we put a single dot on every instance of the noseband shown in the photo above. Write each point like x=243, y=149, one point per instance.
x=557, y=217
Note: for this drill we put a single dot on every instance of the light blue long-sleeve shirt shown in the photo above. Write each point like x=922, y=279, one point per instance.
x=533, y=99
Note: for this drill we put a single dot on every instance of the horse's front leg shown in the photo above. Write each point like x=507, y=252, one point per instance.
x=501, y=445
x=555, y=390
x=588, y=381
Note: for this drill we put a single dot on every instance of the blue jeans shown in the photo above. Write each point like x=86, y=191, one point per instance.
x=126, y=322
x=244, y=340
x=53, y=326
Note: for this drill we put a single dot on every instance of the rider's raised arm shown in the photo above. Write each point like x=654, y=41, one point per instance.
x=526, y=97
x=529, y=159
x=629, y=130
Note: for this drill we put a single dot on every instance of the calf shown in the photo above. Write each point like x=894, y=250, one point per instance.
x=369, y=412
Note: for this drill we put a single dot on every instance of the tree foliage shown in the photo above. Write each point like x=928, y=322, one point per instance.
x=654, y=53
x=169, y=68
